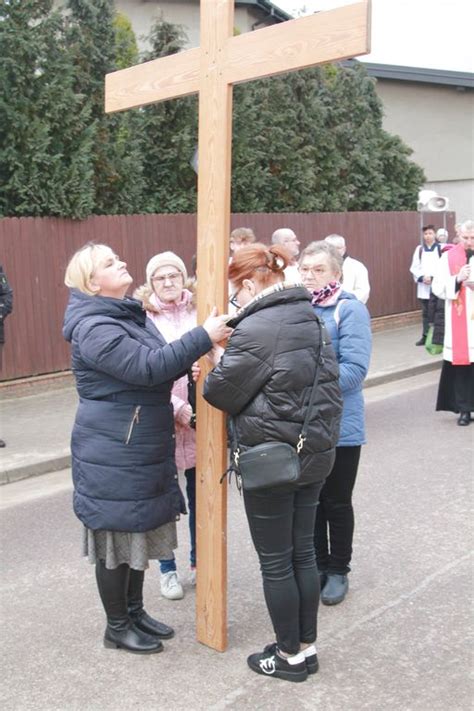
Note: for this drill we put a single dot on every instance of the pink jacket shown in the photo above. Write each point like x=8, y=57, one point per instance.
x=172, y=321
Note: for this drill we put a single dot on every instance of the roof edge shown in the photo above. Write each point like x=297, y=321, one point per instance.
x=269, y=7
x=423, y=75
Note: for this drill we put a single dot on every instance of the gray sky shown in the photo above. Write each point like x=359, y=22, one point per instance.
x=434, y=34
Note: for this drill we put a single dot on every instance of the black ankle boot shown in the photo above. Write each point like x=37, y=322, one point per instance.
x=335, y=589
x=120, y=632
x=139, y=617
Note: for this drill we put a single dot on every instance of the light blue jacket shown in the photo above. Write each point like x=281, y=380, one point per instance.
x=352, y=341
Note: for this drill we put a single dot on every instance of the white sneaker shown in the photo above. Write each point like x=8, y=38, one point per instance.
x=171, y=588
x=192, y=576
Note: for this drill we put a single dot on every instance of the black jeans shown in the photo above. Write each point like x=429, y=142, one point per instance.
x=281, y=522
x=425, y=314
x=334, y=528
x=190, y=475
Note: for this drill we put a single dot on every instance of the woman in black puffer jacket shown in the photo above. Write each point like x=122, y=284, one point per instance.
x=126, y=491
x=264, y=381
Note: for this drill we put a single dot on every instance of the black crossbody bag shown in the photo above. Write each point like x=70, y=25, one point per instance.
x=272, y=463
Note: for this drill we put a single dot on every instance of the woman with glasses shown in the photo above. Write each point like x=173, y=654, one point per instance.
x=264, y=381
x=124, y=473
x=348, y=323
x=171, y=307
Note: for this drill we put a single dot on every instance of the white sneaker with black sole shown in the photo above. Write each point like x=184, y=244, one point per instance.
x=171, y=588
x=270, y=663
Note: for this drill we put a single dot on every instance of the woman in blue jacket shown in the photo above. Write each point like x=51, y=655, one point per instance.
x=126, y=491
x=348, y=323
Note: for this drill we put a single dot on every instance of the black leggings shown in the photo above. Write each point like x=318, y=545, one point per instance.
x=335, y=518
x=281, y=523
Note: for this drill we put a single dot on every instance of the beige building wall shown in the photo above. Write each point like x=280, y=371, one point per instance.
x=437, y=122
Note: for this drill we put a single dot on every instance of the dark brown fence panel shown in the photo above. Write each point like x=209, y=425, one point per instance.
x=35, y=252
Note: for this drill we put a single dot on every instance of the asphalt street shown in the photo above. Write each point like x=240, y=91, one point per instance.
x=402, y=639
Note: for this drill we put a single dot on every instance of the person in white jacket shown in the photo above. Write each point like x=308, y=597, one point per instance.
x=423, y=268
x=288, y=239
x=355, y=275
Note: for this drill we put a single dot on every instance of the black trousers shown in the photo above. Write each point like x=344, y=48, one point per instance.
x=281, y=522
x=190, y=475
x=425, y=314
x=334, y=528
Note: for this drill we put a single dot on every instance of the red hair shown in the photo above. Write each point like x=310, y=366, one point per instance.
x=257, y=261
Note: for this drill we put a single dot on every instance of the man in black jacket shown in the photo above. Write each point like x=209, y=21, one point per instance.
x=6, y=305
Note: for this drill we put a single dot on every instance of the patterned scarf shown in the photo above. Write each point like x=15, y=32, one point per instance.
x=327, y=295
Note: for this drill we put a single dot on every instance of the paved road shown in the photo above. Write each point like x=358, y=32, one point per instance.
x=400, y=641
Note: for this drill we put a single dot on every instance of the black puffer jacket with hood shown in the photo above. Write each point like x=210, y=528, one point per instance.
x=265, y=376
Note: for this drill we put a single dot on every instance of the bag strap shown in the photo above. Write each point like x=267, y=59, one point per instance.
x=304, y=429
x=309, y=409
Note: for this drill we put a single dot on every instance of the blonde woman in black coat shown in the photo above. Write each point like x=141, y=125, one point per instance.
x=126, y=491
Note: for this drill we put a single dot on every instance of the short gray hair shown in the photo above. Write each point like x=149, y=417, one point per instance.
x=322, y=247
x=335, y=240
x=467, y=226
x=279, y=235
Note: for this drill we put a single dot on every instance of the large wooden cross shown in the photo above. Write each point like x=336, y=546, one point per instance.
x=211, y=70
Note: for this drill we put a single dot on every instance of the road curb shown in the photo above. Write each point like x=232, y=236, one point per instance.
x=401, y=374
x=35, y=469
x=63, y=461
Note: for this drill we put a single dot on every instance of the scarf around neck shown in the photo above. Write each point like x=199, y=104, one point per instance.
x=327, y=296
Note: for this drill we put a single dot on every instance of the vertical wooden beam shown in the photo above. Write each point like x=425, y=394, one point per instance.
x=213, y=224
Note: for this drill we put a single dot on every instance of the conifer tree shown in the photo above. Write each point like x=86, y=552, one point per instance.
x=45, y=130
x=117, y=157
x=313, y=141
x=169, y=134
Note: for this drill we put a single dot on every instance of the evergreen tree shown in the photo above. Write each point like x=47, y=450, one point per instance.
x=169, y=134
x=313, y=141
x=126, y=49
x=45, y=132
x=117, y=157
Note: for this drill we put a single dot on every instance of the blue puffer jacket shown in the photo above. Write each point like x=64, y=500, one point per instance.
x=352, y=340
x=122, y=443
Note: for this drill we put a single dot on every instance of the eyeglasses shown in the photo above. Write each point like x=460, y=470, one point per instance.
x=304, y=271
x=174, y=276
x=233, y=300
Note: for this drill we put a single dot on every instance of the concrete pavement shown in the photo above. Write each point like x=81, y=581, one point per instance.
x=37, y=425
x=401, y=641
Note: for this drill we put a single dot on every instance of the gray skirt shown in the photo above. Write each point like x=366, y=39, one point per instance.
x=134, y=549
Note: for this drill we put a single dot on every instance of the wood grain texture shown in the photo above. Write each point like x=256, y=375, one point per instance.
x=160, y=79
x=316, y=39
x=213, y=226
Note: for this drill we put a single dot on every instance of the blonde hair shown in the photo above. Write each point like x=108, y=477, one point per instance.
x=83, y=264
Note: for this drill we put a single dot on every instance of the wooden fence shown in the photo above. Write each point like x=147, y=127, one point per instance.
x=35, y=252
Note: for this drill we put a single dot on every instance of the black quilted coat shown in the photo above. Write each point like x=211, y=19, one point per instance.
x=266, y=374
